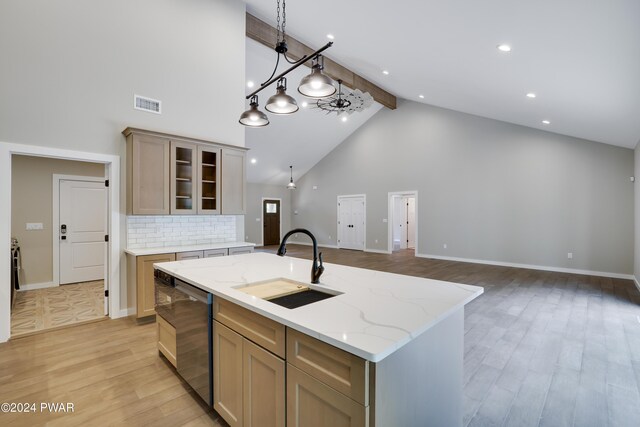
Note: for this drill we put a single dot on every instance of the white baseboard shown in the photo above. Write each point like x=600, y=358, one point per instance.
x=532, y=267
x=635, y=280
x=320, y=245
x=377, y=251
x=34, y=286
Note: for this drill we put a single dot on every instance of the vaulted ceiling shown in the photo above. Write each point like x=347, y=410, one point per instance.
x=581, y=59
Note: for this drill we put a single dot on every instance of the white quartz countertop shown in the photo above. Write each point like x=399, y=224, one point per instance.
x=376, y=314
x=185, y=248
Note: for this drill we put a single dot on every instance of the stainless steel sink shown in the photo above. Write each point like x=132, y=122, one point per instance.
x=286, y=293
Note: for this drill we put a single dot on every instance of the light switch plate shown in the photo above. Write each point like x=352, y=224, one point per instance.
x=34, y=226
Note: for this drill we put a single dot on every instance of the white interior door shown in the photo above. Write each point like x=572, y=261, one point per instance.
x=351, y=222
x=399, y=223
x=82, y=231
x=411, y=222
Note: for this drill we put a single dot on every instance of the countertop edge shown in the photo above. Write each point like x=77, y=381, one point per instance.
x=186, y=248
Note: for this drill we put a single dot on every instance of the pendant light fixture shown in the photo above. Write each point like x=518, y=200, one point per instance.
x=281, y=103
x=316, y=85
x=254, y=117
x=291, y=185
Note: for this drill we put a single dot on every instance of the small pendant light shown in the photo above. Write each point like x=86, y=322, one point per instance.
x=317, y=85
x=281, y=103
x=291, y=185
x=254, y=117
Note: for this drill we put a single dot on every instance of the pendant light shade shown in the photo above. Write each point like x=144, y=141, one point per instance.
x=254, y=117
x=291, y=185
x=281, y=103
x=317, y=85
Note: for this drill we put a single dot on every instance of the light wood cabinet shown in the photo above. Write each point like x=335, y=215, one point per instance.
x=263, y=387
x=259, y=329
x=311, y=403
x=233, y=182
x=341, y=370
x=209, y=180
x=249, y=382
x=140, y=273
x=170, y=174
x=148, y=175
x=227, y=374
x=167, y=340
x=184, y=178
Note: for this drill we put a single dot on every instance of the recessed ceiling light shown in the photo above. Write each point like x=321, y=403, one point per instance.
x=305, y=104
x=344, y=118
x=250, y=84
x=546, y=122
x=330, y=36
x=421, y=96
x=253, y=161
x=385, y=72
x=531, y=95
x=504, y=48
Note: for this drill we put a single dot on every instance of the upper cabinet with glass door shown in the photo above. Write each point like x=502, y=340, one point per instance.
x=209, y=184
x=184, y=182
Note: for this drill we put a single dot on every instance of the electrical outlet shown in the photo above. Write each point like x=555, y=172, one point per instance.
x=570, y=255
x=385, y=220
x=257, y=219
x=329, y=237
x=444, y=246
x=34, y=226
x=376, y=240
x=315, y=187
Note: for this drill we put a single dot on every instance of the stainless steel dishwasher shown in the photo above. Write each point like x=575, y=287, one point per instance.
x=188, y=309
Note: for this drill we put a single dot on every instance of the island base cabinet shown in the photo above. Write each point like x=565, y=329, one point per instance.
x=227, y=374
x=248, y=381
x=311, y=403
x=263, y=391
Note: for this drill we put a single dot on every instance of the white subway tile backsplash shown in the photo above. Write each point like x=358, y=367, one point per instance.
x=158, y=231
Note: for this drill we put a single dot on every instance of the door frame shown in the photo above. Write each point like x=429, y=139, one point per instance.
x=364, y=231
x=112, y=173
x=391, y=195
x=56, y=219
x=262, y=217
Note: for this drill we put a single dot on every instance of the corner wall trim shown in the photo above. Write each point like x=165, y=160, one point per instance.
x=533, y=267
x=635, y=281
x=34, y=286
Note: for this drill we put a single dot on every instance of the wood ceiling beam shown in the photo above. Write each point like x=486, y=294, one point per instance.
x=264, y=33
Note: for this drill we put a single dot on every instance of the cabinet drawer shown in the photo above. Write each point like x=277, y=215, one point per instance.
x=313, y=403
x=241, y=250
x=264, y=332
x=167, y=340
x=345, y=372
x=180, y=256
x=216, y=252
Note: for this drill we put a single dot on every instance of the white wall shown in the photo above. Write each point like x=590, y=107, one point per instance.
x=490, y=190
x=70, y=70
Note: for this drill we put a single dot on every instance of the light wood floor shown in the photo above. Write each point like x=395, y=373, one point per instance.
x=541, y=348
x=53, y=308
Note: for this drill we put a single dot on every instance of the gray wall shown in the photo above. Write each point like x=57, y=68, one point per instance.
x=70, y=70
x=636, y=264
x=255, y=193
x=488, y=189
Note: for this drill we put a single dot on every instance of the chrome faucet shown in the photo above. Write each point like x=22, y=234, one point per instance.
x=316, y=269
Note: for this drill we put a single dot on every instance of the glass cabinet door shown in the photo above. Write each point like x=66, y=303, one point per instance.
x=184, y=173
x=209, y=172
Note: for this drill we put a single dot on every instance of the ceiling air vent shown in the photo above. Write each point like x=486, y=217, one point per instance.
x=147, y=104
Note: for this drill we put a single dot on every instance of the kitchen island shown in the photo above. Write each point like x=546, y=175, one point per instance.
x=384, y=349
